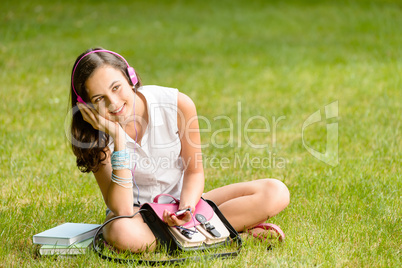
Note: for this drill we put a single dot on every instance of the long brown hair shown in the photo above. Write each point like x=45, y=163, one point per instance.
x=89, y=144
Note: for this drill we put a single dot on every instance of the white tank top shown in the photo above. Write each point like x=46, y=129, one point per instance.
x=157, y=161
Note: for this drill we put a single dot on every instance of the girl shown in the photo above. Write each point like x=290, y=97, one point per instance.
x=141, y=141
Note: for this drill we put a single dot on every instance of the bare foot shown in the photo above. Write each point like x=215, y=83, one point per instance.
x=263, y=234
x=267, y=231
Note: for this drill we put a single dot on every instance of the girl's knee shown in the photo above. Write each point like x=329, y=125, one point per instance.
x=129, y=234
x=281, y=189
x=277, y=193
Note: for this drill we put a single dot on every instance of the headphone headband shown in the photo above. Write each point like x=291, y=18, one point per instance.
x=130, y=70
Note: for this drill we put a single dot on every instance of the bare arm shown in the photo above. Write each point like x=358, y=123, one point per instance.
x=193, y=179
x=117, y=198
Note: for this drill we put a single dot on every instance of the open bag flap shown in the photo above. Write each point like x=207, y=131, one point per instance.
x=202, y=208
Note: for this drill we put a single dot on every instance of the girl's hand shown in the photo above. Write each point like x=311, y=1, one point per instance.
x=172, y=220
x=98, y=122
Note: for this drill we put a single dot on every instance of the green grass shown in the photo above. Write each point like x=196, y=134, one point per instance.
x=275, y=58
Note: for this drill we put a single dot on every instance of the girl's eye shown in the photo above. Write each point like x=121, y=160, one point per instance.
x=116, y=87
x=98, y=99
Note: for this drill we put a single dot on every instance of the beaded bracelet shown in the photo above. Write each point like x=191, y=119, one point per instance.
x=120, y=159
x=122, y=181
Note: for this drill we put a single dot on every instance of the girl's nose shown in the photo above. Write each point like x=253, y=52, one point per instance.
x=112, y=104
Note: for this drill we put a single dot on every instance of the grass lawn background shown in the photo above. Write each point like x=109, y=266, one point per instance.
x=238, y=59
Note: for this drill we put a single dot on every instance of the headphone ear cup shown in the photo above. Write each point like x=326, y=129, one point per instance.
x=132, y=75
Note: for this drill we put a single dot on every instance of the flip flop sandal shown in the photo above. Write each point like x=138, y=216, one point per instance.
x=269, y=227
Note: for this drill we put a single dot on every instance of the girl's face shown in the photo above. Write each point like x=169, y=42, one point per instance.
x=111, y=94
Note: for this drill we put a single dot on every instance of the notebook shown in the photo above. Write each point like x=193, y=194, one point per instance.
x=74, y=249
x=66, y=234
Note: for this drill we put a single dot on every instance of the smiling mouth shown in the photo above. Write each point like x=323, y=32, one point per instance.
x=118, y=110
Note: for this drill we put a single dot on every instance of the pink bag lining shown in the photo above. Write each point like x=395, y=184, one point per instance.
x=202, y=208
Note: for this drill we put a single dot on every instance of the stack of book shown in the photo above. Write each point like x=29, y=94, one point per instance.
x=66, y=239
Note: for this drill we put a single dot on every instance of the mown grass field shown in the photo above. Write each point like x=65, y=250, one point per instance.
x=248, y=65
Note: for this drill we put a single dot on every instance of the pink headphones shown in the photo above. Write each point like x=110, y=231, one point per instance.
x=130, y=70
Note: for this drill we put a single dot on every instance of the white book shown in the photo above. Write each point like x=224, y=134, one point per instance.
x=66, y=234
x=74, y=249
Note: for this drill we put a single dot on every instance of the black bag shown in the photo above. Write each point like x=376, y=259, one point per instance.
x=212, y=231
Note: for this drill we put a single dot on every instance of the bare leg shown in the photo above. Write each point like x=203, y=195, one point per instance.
x=248, y=204
x=130, y=234
x=244, y=204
